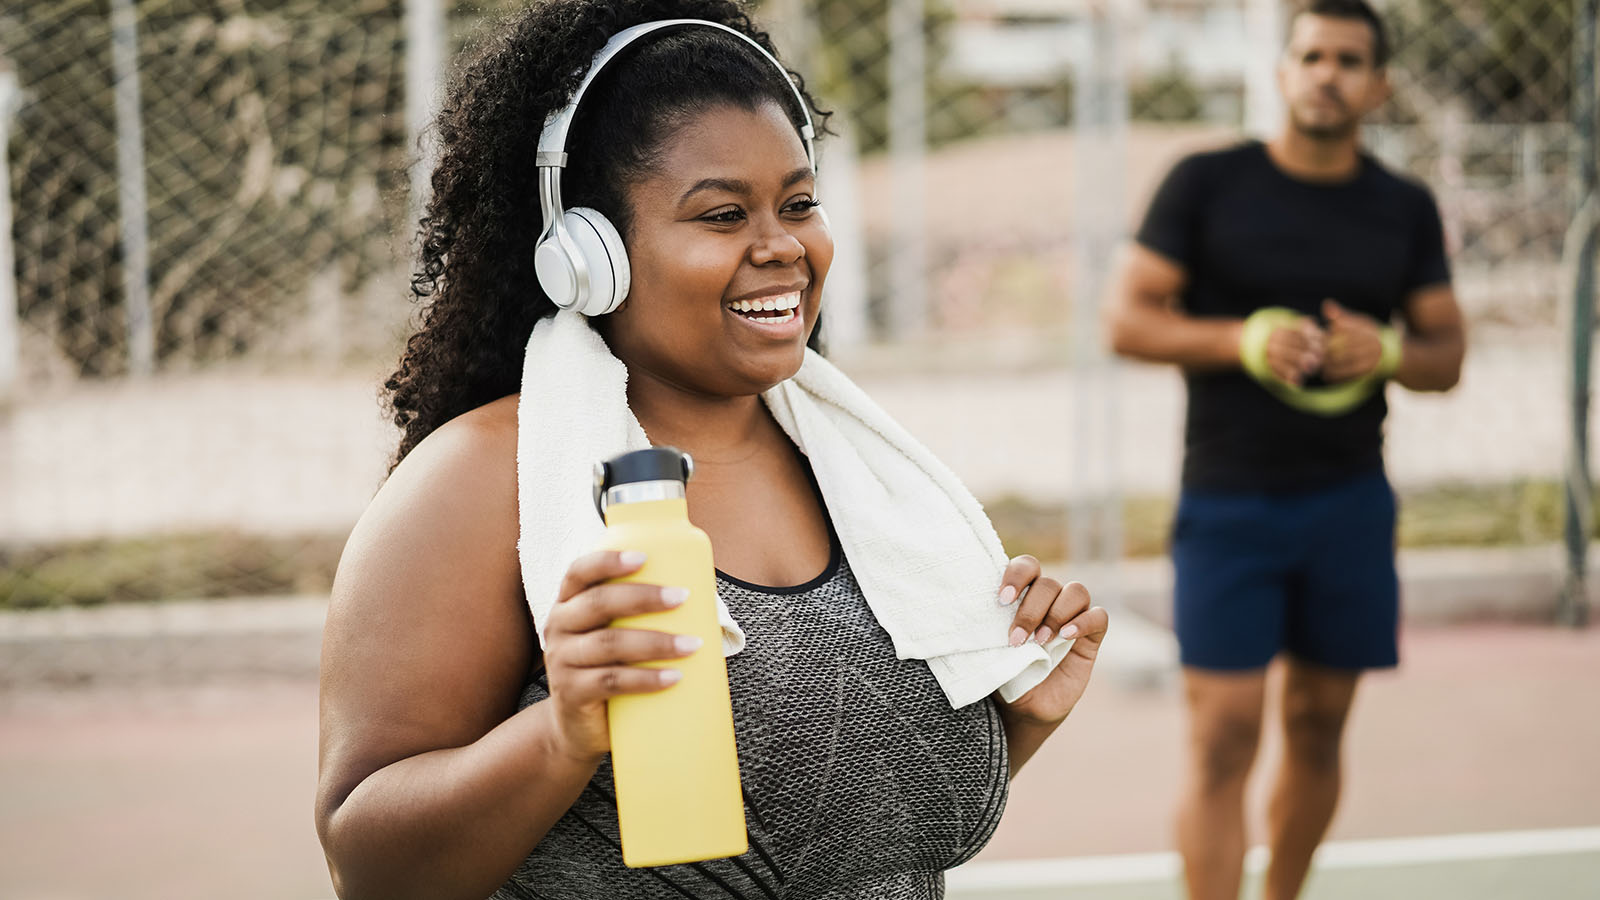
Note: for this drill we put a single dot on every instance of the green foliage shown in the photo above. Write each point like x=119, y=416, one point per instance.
x=274, y=151
x=854, y=72
x=1517, y=513
x=1508, y=60
x=166, y=567
x=1168, y=97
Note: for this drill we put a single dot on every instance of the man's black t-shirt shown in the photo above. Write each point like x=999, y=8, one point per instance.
x=1250, y=236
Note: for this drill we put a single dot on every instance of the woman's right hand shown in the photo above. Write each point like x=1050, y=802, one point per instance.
x=589, y=662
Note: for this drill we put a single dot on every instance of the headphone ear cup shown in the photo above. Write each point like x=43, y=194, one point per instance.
x=557, y=272
x=604, y=257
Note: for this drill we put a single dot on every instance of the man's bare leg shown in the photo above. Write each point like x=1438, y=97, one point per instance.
x=1225, y=710
x=1316, y=703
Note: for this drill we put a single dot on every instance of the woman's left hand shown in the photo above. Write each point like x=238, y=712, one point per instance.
x=1050, y=609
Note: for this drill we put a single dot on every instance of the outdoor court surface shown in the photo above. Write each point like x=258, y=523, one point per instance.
x=1555, y=864
x=173, y=791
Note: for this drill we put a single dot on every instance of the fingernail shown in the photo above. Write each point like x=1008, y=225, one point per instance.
x=686, y=643
x=674, y=596
x=1071, y=631
x=632, y=558
x=1042, y=636
x=670, y=676
x=1007, y=594
x=1018, y=635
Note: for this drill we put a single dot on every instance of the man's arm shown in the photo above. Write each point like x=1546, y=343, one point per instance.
x=1145, y=323
x=1435, y=340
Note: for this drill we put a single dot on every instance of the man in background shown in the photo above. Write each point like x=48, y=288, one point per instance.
x=1274, y=275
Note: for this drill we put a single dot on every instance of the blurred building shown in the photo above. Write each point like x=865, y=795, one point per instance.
x=1184, y=59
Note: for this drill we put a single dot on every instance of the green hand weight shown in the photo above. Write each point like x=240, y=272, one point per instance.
x=1332, y=400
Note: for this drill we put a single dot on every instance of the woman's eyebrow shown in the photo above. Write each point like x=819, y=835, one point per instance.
x=738, y=186
x=730, y=185
x=797, y=176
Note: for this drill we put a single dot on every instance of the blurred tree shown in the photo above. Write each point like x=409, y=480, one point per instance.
x=1506, y=60
x=1168, y=97
x=273, y=149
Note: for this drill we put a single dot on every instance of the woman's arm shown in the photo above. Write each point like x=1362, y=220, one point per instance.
x=430, y=783
x=1024, y=736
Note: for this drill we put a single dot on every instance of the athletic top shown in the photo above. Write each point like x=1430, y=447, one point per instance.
x=860, y=781
x=1250, y=236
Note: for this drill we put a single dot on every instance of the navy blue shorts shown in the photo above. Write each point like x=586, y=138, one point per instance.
x=1308, y=572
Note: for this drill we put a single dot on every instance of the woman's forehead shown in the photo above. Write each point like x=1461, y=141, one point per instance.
x=732, y=143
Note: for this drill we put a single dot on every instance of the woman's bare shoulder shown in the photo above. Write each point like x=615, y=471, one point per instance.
x=450, y=507
x=470, y=460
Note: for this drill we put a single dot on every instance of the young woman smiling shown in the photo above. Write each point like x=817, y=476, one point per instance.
x=463, y=757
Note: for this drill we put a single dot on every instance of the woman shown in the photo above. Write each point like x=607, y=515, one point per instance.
x=464, y=757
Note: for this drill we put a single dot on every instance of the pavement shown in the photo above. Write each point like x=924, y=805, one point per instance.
x=169, y=750
x=152, y=782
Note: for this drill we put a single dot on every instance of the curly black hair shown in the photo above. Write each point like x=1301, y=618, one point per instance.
x=475, y=277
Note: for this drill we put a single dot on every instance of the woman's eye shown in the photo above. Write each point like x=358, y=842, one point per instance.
x=801, y=207
x=726, y=216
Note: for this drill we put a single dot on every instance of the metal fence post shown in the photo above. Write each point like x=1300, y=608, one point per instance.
x=1581, y=243
x=425, y=37
x=1100, y=116
x=131, y=193
x=10, y=340
x=1263, y=108
x=908, y=269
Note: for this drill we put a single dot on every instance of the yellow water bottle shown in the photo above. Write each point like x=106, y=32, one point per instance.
x=672, y=752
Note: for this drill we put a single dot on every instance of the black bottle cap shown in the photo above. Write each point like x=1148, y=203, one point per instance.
x=654, y=464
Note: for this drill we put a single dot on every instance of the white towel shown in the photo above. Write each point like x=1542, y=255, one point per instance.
x=926, y=557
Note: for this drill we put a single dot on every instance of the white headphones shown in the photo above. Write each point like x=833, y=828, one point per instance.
x=580, y=259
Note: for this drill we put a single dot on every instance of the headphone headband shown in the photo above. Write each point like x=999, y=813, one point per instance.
x=553, y=140
x=580, y=259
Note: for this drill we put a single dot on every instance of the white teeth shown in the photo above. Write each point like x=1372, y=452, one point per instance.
x=781, y=303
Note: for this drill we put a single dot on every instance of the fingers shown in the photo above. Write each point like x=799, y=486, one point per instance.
x=1347, y=366
x=614, y=681
x=1089, y=628
x=1019, y=574
x=591, y=661
x=1067, y=609
x=625, y=646
x=1049, y=607
x=1031, y=611
x=599, y=606
x=1353, y=347
x=603, y=565
x=1069, y=601
x=1294, y=353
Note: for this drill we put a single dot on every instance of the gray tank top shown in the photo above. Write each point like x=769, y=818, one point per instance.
x=860, y=781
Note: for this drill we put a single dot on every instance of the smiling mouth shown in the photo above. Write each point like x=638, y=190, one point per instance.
x=774, y=310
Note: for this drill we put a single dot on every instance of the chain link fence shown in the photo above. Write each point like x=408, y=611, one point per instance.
x=209, y=231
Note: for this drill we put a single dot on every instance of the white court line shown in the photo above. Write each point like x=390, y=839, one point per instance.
x=1144, y=867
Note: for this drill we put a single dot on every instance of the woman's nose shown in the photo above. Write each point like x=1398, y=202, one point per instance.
x=777, y=246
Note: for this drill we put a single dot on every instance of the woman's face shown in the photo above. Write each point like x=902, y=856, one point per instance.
x=726, y=226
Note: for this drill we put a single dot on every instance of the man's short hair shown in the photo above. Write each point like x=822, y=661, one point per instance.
x=1358, y=10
